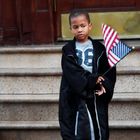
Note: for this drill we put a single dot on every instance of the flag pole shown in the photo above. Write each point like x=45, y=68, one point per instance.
x=108, y=70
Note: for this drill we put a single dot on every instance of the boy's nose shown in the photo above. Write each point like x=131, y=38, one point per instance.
x=79, y=29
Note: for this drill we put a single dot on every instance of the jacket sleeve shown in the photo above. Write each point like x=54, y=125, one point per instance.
x=79, y=79
x=109, y=75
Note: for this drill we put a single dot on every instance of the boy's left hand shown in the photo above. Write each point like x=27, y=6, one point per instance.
x=101, y=91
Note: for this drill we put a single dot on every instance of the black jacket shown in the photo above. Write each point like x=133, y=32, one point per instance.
x=77, y=95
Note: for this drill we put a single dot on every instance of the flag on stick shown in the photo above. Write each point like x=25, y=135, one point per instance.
x=116, y=50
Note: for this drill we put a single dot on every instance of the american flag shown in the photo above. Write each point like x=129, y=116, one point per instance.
x=116, y=50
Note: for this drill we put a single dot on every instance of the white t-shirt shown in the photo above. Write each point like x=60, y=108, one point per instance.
x=84, y=51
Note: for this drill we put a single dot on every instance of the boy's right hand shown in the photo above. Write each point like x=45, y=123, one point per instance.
x=99, y=80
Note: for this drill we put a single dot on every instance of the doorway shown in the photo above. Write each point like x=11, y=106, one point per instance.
x=26, y=22
x=39, y=21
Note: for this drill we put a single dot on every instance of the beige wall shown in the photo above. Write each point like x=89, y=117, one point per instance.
x=127, y=24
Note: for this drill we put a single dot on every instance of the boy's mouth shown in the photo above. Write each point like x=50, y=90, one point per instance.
x=80, y=35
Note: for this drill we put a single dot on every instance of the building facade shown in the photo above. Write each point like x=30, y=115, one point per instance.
x=39, y=21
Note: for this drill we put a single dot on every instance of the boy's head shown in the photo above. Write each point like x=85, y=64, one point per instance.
x=80, y=24
x=78, y=12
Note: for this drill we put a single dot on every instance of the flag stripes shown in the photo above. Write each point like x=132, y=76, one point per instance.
x=110, y=37
x=115, y=49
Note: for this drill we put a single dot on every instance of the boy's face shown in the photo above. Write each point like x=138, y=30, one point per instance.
x=80, y=27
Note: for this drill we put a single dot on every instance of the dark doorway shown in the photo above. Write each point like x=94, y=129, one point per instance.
x=26, y=22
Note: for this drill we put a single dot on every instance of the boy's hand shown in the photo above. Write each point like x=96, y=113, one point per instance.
x=99, y=80
x=101, y=91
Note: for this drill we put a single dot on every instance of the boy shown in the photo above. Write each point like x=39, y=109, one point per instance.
x=84, y=92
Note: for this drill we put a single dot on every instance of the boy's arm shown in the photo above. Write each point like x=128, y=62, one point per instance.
x=79, y=79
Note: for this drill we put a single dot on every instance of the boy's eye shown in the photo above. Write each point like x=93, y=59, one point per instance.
x=75, y=27
x=83, y=25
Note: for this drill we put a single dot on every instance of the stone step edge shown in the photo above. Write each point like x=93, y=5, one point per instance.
x=129, y=124
x=52, y=48
x=30, y=71
x=32, y=49
x=117, y=97
x=29, y=125
x=56, y=71
x=29, y=98
x=128, y=97
x=125, y=70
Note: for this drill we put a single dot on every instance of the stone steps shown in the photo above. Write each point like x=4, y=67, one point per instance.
x=121, y=70
x=26, y=80
x=30, y=57
x=29, y=108
x=45, y=107
x=17, y=98
x=30, y=80
x=49, y=130
x=125, y=108
x=49, y=56
x=55, y=125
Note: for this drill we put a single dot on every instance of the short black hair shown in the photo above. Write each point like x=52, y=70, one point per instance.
x=78, y=12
